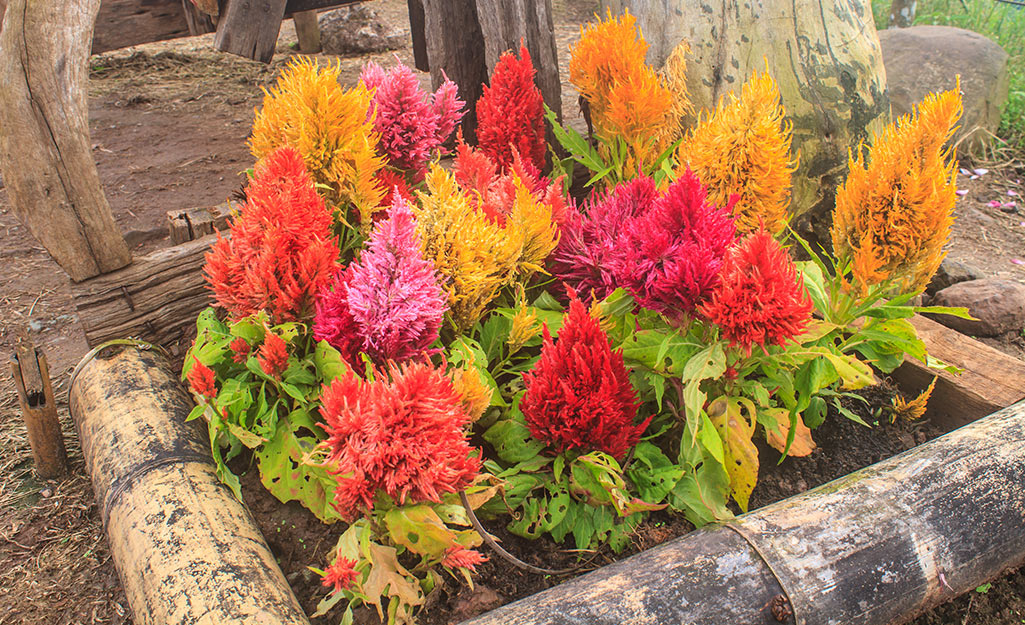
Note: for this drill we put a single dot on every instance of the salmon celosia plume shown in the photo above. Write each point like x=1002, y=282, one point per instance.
x=281, y=249
x=402, y=434
x=760, y=300
x=579, y=394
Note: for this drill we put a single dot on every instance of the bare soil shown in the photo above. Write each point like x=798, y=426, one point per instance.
x=169, y=123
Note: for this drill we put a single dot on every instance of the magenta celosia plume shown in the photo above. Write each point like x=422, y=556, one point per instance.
x=388, y=304
x=760, y=300
x=510, y=113
x=579, y=394
x=403, y=436
x=412, y=123
x=670, y=257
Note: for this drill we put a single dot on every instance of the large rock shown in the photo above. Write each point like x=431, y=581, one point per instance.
x=999, y=306
x=950, y=273
x=924, y=59
x=357, y=29
x=824, y=54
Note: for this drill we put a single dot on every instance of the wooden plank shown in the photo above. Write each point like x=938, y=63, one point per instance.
x=416, y=29
x=455, y=48
x=505, y=23
x=307, y=31
x=45, y=150
x=156, y=298
x=193, y=223
x=123, y=23
x=991, y=379
x=198, y=21
x=250, y=28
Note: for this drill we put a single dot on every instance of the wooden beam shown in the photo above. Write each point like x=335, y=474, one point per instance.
x=505, y=23
x=307, y=31
x=250, y=28
x=45, y=149
x=194, y=223
x=455, y=48
x=416, y=30
x=156, y=298
x=991, y=379
x=123, y=23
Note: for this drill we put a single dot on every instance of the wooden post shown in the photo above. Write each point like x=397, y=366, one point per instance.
x=45, y=150
x=307, y=31
x=38, y=408
x=455, y=48
x=250, y=28
x=504, y=23
x=199, y=21
x=416, y=30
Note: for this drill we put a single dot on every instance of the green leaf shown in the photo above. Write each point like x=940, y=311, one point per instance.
x=815, y=281
x=285, y=474
x=250, y=440
x=512, y=441
x=328, y=362
x=701, y=494
x=954, y=311
x=546, y=301
x=710, y=440
x=493, y=336
x=419, y=529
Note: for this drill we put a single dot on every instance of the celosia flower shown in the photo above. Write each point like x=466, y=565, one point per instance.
x=273, y=356
x=404, y=436
x=340, y=575
x=202, y=380
x=669, y=258
x=914, y=409
x=674, y=77
x=583, y=259
x=638, y=111
x=473, y=256
x=760, y=300
x=240, y=349
x=579, y=395
x=329, y=126
x=524, y=328
x=395, y=185
x=281, y=248
x=392, y=292
x=334, y=322
x=530, y=223
x=475, y=394
x=894, y=212
x=743, y=149
x=607, y=53
x=412, y=124
x=510, y=113
x=458, y=556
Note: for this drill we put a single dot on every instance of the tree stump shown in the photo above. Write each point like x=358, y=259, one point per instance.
x=45, y=150
x=824, y=55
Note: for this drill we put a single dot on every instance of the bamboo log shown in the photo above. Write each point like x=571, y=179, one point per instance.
x=39, y=409
x=187, y=551
x=45, y=150
x=875, y=547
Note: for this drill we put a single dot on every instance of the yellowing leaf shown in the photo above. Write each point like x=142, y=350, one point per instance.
x=803, y=443
x=390, y=579
x=419, y=529
x=740, y=453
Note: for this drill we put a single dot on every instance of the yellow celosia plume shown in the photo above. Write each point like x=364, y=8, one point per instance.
x=530, y=224
x=743, y=149
x=474, y=257
x=310, y=111
x=894, y=212
x=674, y=76
x=607, y=53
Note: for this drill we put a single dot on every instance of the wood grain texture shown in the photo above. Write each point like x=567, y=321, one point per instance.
x=991, y=379
x=39, y=409
x=307, y=31
x=192, y=223
x=45, y=149
x=250, y=28
x=199, y=22
x=416, y=30
x=123, y=23
x=455, y=48
x=505, y=23
x=156, y=298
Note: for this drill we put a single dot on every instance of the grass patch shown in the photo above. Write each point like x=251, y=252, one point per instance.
x=1001, y=22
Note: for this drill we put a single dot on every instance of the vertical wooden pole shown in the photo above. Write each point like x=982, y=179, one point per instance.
x=45, y=150
x=199, y=21
x=307, y=30
x=416, y=30
x=455, y=48
x=250, y=28
x=35, y=394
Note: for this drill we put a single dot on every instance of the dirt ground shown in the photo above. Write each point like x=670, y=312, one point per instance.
x=169, y=123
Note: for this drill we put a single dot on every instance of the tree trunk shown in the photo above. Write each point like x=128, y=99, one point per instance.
x=825, y=56
x=455, y=48
x=902, y=13
x=45, y=150
x=505, y=23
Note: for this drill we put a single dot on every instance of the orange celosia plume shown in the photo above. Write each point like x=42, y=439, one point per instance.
x=893, y=214
x=743, y=149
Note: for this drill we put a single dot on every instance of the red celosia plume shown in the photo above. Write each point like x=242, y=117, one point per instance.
x=340, y=574
x=404, y=436
x=273, y=356
x=510, y=113
x=579, y=394
x=202, y=380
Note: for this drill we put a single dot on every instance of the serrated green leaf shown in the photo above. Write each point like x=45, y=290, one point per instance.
x=287, y=477
x=512, y=441
x=328, y=362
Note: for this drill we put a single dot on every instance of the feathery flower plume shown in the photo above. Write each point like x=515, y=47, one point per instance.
x=639, y=111
x=412, y=124
x=333, y=321
x=510, y=113
x=583, y=259
x=273, y=356
x=341, y=574
x=473, y=256
x=403, y=436
x=674, y=77
x=743, y=149
x=392, y=293
x=894, y=212
x=475, y=394
x=202, y=380
x=760, y=300
x=579, y=394
x=607, y=53
x=913, y=409
x=458, y=556
x=240, y=349
x=530, y=223
x=669, y=258
x=281, y=249
x=395, y=185
x=329, y=126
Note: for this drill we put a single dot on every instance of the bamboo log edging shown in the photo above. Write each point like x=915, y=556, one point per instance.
x=187, y=551
x=875, y=547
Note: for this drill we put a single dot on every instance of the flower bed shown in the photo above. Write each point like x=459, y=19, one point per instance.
x=402, y=348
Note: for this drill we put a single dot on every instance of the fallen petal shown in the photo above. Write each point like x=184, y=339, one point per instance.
x=965, y=172
x=1018, y=261
x=994, y=204
x=962, y=192
x=1012, y=193
x=980, y=171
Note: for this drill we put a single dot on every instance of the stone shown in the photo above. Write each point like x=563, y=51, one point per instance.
x=999, y=306
x=950, y=273
x=924, y=59
x=357, y=29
